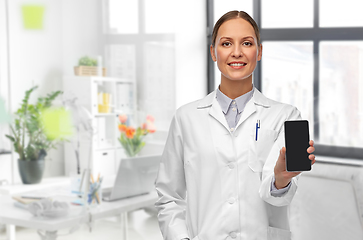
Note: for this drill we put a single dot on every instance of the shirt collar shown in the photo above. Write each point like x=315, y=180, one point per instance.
x=225, y=101
x=258, y=98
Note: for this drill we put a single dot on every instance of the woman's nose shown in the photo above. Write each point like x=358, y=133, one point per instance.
x=237, y=52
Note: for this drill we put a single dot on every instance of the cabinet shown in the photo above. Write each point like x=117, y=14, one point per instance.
x=103, y=149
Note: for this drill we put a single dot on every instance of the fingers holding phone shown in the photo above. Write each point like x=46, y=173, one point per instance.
x=283, y=177
x=297, y=156
x=310, y=150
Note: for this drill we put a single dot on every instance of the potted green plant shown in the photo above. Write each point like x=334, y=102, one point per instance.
x=88, y=66
x=29, y=138
x=87, y=61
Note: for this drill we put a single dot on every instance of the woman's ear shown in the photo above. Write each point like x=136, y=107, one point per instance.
x=212, y=53
x=259, y=56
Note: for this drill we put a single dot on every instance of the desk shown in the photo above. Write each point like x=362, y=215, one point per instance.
x=15, y=216
x=20, y=188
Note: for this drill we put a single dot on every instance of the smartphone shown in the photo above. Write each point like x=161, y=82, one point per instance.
x=297, y=142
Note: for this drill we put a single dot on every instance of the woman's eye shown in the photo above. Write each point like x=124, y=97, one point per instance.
x=247, y=44
x=226, y=44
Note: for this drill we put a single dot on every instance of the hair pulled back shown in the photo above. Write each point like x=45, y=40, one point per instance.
x=233, y=15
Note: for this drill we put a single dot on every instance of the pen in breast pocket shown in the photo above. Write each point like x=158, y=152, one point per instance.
x=258, y=125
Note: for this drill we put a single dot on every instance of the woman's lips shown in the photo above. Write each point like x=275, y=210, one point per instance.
x=237, y=65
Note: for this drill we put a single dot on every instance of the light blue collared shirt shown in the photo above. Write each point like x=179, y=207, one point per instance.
x=232, y=110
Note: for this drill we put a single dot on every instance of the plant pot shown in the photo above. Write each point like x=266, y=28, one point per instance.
x=88, y=71
x=31, y=172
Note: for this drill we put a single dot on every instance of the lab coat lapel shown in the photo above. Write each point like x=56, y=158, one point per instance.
x=258, y=99
x=247, y=112
x=215, y=110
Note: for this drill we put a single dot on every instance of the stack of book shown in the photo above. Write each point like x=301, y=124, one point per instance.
x=24, y=201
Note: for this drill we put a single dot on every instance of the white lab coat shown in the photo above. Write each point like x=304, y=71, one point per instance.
x=214, y=184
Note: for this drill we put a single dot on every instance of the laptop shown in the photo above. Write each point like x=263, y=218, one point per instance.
x=135, y=176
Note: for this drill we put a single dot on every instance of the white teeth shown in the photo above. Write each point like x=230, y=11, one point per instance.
x=237, y=64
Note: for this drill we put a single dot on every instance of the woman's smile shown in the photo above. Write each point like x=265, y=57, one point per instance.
x=237, y=65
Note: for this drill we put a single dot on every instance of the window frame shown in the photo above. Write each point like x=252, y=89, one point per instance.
x=315, y=34
x=137, y=39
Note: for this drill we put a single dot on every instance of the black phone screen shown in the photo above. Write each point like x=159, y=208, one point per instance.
x=297, y=142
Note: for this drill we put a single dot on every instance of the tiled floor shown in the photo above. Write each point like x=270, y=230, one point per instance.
x=141, y=226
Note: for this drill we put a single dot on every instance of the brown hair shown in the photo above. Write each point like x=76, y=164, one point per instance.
x=233, y=15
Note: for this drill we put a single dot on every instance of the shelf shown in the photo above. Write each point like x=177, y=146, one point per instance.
x=116, y=80
x=3, y=152
x=106, y=114
x=102, y=79
x=126, y=113
x=108, y=79
x=112, y=114
x=105, y=148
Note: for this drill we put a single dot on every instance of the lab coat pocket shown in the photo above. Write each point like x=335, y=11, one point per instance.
x=260, y=148
x=278, y=234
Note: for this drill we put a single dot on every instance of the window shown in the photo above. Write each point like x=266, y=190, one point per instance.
x=288, y=72
x=160, y=19
x=318, y=46
x=123, y=17
x=149, y=41
x=341, y=81
x=335, y=13
x=140, y=47
x=287, y=14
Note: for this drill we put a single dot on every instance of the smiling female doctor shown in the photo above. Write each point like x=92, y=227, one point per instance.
x=222, y=173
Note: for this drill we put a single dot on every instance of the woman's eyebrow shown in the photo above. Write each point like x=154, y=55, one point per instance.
x=248, y=37
x=229, y=38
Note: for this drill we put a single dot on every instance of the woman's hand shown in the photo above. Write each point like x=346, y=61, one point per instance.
x=283, y=177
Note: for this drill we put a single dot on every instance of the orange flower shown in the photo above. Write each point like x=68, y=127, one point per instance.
x=144, y=126
x=122, y=118
x=130, y=132
x=122, y=128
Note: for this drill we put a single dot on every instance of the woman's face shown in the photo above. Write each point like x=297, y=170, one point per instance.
x=236, y=51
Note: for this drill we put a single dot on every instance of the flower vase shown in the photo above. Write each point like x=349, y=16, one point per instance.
x=131, y=138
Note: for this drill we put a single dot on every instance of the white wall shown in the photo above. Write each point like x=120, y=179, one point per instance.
x=5, y=160
x=35, y=55
x=35, y=59
x=3, y=51
x=80, y=26
x=42, y=57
